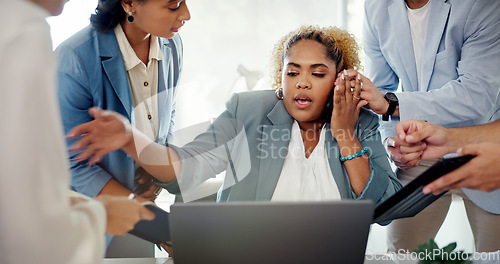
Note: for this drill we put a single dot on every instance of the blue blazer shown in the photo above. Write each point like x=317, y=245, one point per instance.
x=460, y=83
x=250, y=141
x=92, y=73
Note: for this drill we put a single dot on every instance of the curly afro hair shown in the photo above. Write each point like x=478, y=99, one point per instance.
x=341, y=48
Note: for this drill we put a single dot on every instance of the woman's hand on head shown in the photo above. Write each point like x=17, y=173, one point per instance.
x=108, y=132
x=346, y=105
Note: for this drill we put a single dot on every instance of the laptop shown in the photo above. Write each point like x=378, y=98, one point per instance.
x=270, y=232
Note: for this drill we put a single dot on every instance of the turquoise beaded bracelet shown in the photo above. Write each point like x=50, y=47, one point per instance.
x=356, y=155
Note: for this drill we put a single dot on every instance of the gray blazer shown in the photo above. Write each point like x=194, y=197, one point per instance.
x=250, y=141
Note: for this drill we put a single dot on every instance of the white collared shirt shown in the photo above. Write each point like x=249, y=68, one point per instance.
x=143, y=80
x=306, y=179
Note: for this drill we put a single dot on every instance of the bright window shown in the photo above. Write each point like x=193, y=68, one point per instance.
x=221, y=37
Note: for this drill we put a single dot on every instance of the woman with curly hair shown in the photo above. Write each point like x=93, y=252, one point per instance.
x=285, y=144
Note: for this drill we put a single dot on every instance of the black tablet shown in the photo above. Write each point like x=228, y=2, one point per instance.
x=157, y=230
x=410, y=200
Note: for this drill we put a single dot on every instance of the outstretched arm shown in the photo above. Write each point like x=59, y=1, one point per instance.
x=110, y=131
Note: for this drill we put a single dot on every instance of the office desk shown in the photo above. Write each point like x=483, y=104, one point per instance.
x=369, y=260
x=138, y=261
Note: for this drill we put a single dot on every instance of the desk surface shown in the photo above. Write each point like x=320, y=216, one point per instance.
x=494, y=257
x=138, y=261
x=372, y=259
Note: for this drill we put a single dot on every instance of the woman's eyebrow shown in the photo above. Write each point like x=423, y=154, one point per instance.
x=314, y=66
x=318, y=65
x=293, y=64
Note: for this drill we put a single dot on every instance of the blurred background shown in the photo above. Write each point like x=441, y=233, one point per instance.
x=227, y=49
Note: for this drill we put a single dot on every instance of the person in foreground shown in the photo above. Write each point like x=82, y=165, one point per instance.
x=39, y=222
x=274, y=145
x=435, y=141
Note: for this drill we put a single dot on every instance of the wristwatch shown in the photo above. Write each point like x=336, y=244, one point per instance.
x=393, y=103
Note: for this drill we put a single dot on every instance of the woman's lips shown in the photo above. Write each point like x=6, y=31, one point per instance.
x=302, y=101
x=176, y=29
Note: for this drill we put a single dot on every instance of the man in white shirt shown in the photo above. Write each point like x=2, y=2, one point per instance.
x=38, y=222
x=442, y=55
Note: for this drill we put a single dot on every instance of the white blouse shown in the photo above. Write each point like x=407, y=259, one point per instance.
x=143, y=80
x=306, y=179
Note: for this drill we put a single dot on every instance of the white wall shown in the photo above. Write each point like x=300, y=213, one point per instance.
x=223, y=34
x=75, y=16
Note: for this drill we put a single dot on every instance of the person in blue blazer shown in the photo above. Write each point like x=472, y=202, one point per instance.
x=275, y=145
x=125, y=51
x=128, y=60
x=445, y=56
